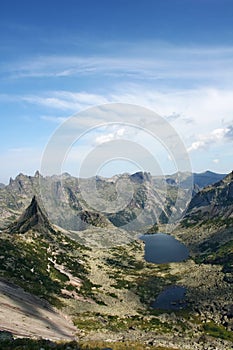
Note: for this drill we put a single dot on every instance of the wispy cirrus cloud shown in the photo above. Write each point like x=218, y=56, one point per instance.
x=153, y=61
x=57, y=120
x=66, y=100
x=189, y=111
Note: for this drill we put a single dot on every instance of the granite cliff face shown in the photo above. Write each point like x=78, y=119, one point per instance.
x=213, y=202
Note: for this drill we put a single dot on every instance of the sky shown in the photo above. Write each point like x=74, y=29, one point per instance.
x=58, y=58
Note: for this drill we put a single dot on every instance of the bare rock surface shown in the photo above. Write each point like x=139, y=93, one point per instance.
x=25, y=315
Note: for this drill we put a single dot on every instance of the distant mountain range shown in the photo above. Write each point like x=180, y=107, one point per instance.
x=199, y=180
x=62, y=196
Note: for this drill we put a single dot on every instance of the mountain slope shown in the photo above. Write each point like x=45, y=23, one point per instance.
x=25, y=315
x=207, y=226
x=207, y=178
x=211, y=203
x=41, y=258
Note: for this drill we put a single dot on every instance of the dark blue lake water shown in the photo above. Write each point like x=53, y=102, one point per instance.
x=172, y=298
x=159, y=249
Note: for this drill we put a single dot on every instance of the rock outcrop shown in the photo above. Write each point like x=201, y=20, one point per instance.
x=212, y=202
x=33, y=218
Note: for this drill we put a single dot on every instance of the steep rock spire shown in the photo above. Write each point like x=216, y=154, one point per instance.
x=34, y=217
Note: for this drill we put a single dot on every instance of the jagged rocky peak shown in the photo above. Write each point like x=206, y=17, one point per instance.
x=19, y=182
x=11, y=181
x=37, y=174
x=141, y=177
x=21, y=176
x=65, y=175
x=33, y=218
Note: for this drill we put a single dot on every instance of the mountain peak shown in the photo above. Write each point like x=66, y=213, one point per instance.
x=34, y=217
x=37, y=174
x=140, y=177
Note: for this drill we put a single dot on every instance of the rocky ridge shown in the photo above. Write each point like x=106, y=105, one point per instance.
x=107, y=292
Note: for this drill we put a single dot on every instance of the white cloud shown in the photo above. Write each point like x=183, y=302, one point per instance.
x=200, y=116
x=191, y=105
x=192, y=87
x=204, y=141
x=52, y=102
x=104, y=138
x=216, y=161
x=115, y=135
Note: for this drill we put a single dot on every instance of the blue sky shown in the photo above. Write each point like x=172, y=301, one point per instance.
x=58, y=58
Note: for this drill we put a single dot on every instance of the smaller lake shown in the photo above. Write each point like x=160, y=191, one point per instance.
x=161, y=248
x=172, y=298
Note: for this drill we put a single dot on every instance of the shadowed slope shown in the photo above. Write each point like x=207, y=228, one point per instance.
x=212, y=202
x=34, y=217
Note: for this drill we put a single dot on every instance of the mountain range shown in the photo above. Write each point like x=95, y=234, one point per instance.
x=66, y=205
x=53, y=253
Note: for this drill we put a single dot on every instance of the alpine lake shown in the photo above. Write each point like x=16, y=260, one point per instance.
x=161, y=248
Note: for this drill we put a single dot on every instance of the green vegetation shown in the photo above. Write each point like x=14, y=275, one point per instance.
x=121, y=283
x=26, y=264
x=126, y=345
x=96, y=321
x=216, y=253
x=199, y=220
x=29, y=261
x=150, y=284
x=148, y=287
x=217, y=331
x=32, y=344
